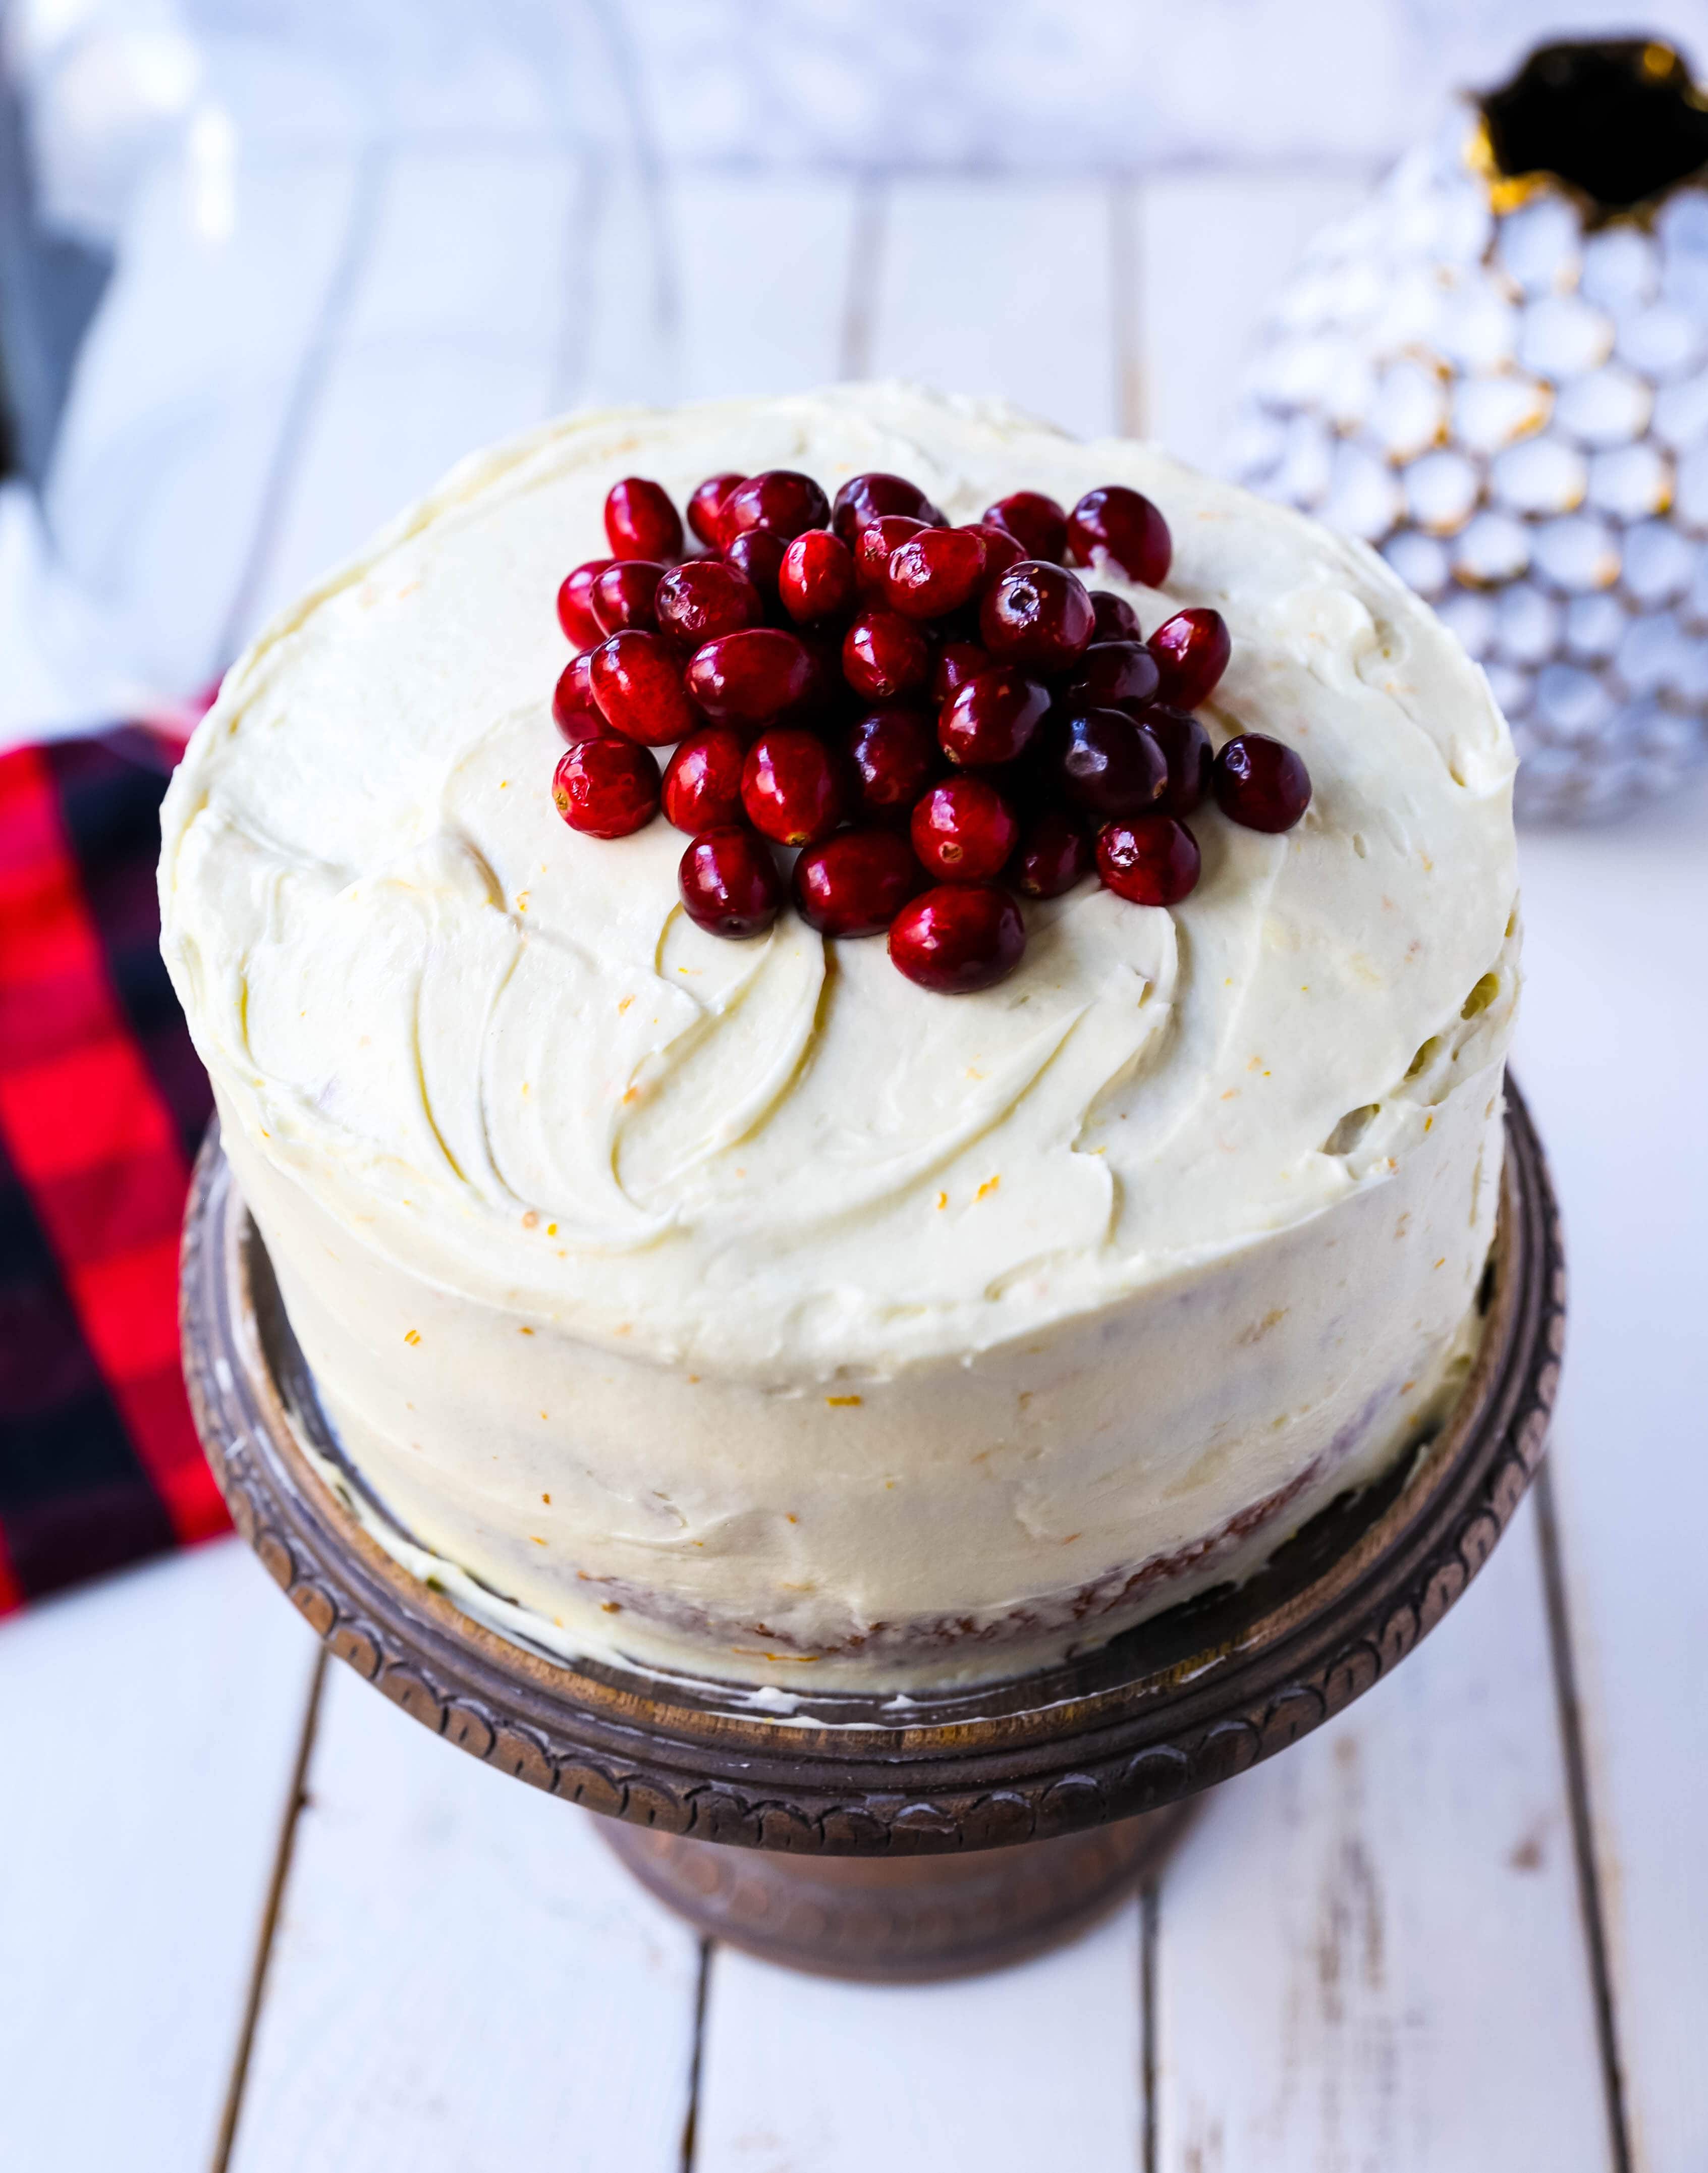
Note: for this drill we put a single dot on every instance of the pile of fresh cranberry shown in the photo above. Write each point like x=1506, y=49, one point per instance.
x=937, y=717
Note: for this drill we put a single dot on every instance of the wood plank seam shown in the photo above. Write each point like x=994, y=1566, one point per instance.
x=865, y=263
x=1150, y=1932
x=1126, y=306
x=691, y=2116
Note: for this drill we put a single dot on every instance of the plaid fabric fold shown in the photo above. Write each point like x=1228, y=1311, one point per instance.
x=102, y=1103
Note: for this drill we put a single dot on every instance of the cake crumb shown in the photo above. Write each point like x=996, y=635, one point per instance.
x=624, y=1005
x=525, y=1331
x=942, y=1199
x=837, y=1403
x=546, y=1499
x=537, y=1539
x=989, y=1185
x=411, y=1335
x=610, y=1607
x=530, y=1221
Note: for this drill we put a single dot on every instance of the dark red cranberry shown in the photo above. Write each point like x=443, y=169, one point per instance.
x=816, y=580
x=1192, y=652
x=792, y=787
x=575, y=604
x=574, y=689
x=1116, y=618
x=1126, y=525
x=757, y=556
x=957, y=662
x=638, y=684
x=1001, y=550
x=1110, y=767
x=729, y=882
x=994, y=719
x=895, y=756
x=963, y=830
x=1037, y=614
x=747, y=678
x=884, y=654
x=856, y=882
x=1261, y=783
x=1153, y=859
x=574, y=709
x=606, y=787
x=1037, y=523
x=935, y=572
x=625, y=595
x=703, y=781
x=780, y=501
x=704, y=505
x=1114, y=675
x=640, y=520
x=959, y=938
x=867, y=498
x=1054, y=854
x=873, y=547
x=1185, y=749
x=703, y=599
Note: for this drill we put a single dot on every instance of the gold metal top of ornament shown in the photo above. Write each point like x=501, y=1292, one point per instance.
x=1617, y=124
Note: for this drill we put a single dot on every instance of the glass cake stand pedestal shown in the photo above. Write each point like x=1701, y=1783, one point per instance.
x=989, y=1823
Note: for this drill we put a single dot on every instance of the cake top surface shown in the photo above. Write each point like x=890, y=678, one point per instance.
x=499, y=1050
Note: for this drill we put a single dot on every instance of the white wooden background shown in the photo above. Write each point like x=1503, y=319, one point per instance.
x=251, y=1916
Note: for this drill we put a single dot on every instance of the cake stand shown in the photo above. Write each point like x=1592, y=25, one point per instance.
x=878, y=1838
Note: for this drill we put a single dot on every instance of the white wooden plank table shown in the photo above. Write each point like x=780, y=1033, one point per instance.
x=1458, y=1929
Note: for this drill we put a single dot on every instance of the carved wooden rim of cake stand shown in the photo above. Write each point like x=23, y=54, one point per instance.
x=1167, y=1710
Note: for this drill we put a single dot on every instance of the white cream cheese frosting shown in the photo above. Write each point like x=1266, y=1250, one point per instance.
x=742, y=1306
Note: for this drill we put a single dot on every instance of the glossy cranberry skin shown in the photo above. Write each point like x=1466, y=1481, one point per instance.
x=1185, y=749
x=638, y=684
x=856, y=882
x=1037, y=523
x=1260, y=783
x=703, y=781
x=747, y=678
x=1192, y=652
x=963, y=830
x=873, y=548
x=1114, y=675
x=640, y=521
x=606, y=787
x=884, y=654
x=994, y=719
x=758, y=557
x=1115, y=618
x=625, y=595
x=957, y=663
x=703, y=507
x=698, y=602
x=816, y=579
x=1152, y=861
x=1037, y=614
x=867, y=498
x=792, y=787
x=1109, y=767
x=935, y=573
x=1001, y=550
x=575, y=604
x=958, y=939
x=573, y=710
x=781, y=501
x=1053, y=854
x=1125, y=524
x=894, y=756
x=728, y=884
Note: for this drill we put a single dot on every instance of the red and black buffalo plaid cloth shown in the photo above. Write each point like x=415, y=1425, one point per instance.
x=102, y=1104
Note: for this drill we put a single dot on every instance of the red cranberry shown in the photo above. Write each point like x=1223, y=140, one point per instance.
x=1185, y=749
x=1153, y=859
x=959, y=938
x=994, y=719
x=963, y=830
x=606, y=787
x=640, y=520
x=574, y=709
x=749, y=677
x=884, y=654
x=895, y=756
x=1054, y=854
x=625, y=593
x=957, y=662
x=1037, y=523
x=638, y=684
x=729, y=882
x=1037, y=614
x=873, y=547
x=792, y=787
x=1261, y=783
x=1192, y=652
x=698, y=602
x=856, y=882
x=867, y=498
x=1128, y=527
x=935, y=572
x=1114, y=675
x=1000, y=549
x=757, y=556
x=704, y=505
x=816, y=580
x=575, y=604
x=1116, y=618
x=1109, y=766
x=703, y=781
x=780, y=501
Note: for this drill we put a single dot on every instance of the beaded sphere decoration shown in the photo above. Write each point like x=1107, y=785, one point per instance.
x=1496, y=374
